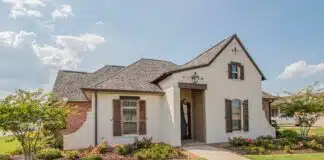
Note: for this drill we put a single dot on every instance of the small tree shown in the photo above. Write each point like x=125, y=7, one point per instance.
x=306, y=105
x=29, y=115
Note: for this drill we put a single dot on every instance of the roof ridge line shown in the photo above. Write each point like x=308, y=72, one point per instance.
x=229, y=37
x=107, y=65
x=115, y=73
x=74, y=71
x=159, y=60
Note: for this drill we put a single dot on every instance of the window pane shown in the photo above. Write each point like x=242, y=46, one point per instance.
x=234, y=68
x=130, y=128
x=236, y=114
x=129, y=116
x=236, y=125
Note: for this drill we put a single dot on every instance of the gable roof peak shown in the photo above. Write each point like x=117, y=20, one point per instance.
x=208, y=56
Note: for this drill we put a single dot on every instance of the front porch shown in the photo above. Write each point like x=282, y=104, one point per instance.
x=192, y=113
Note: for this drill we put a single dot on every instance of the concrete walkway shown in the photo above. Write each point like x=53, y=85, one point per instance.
x=213, y=153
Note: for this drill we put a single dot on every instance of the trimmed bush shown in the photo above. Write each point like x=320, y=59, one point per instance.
x=159, y=151
x=144, y=143
x=49, y=154
x=120, y=149
x=239, y=141
x=288, y=134
x=91, y=157
x=72, y=155
x=103, y=147
x=287, y=149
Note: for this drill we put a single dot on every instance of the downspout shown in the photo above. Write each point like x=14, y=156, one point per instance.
x=96, y=119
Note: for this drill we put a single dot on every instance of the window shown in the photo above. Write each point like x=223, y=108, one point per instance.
x=235, y=71
x=129, y=116
x=236, y=115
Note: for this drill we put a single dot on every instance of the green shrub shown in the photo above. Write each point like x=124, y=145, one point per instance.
x=288, y=134
x=103, y=147
x=4, y=157
x=268, y=137
x=313, y=145
x=120, y=149
x=49, y=154
x=273, y=146
x=159, y=151
x=287, y=149
x=286, y=141
x=255, y=150
x=72, y=155
x=318, y=139
x=91, y=157
x=238, y=141
x=144, y=143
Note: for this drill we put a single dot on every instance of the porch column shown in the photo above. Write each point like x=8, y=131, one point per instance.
x=176, y=138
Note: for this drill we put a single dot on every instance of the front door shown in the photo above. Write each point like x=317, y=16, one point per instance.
x=185, y=120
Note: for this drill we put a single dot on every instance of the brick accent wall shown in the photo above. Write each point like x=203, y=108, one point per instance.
x=77, y=116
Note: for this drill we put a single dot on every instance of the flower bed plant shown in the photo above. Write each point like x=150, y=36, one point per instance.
x=289, y=142
x=140, y=149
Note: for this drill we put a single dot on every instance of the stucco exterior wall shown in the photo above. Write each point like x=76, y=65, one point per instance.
x=84, y=136
x=219, y=87
x=105, y=116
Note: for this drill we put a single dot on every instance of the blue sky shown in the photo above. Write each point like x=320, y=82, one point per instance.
x=38, y=37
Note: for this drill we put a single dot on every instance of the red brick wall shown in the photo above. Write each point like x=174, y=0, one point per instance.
x=77, y=116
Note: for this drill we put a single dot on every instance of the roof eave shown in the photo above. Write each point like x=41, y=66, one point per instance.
x=120, y=90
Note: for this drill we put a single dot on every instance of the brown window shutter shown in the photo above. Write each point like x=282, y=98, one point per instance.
x=117, y=123
x=241, y=72
x=142, y=118
x=228, y=115
x=246, y=115
x=230, y=71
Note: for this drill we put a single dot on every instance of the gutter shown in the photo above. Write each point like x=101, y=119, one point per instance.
x=96, y=119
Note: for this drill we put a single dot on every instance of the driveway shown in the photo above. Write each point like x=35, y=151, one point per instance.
x=213, y=153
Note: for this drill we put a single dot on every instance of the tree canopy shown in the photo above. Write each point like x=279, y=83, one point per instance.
x=306, y=106
x=28, y=115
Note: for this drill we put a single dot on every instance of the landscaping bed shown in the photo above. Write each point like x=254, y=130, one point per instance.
x=289, y=142
x=139, y=150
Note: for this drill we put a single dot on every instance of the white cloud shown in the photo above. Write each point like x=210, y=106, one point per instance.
x=13, y=39
x=67, y=51
x=63, y=12
x=25, y=8
x=301, y=69
x=99, y=23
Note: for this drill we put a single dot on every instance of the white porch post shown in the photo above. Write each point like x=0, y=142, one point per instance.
x=177, y=118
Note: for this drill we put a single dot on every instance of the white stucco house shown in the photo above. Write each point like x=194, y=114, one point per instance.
x=214, y=96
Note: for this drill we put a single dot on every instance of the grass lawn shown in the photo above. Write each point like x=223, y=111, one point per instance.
x=8, y=147
x=310, y=156
x=314, y=130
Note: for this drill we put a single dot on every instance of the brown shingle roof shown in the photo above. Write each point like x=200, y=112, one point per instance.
x=140, y=76
x=136, y=77
x=68, y=83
